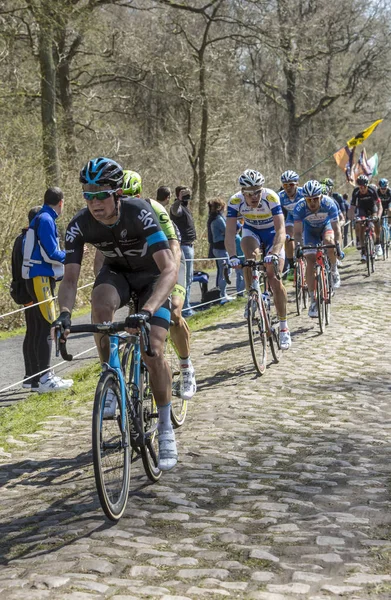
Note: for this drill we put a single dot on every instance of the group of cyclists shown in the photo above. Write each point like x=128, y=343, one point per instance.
x=138, y=256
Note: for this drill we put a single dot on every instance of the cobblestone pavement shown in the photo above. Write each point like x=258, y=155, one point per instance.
x=282, y=490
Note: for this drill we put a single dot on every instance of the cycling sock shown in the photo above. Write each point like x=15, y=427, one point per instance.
x=334, y=268
x=312, y=297
x=291, y=262
x=185, y=363
x=164, y=417
x=283, y=324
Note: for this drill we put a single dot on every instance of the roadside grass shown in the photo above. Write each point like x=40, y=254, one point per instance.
x=26, y=416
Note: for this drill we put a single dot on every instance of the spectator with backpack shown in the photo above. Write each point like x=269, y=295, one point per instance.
x=42, y=266
x=217, y=228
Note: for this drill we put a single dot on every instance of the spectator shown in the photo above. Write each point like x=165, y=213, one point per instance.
x=180, y=213
x=42, y=266
x=217, y=227
x=240, y=283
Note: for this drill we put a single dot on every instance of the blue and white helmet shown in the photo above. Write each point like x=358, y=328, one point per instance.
x=383, y=183
x=289, y=177
x=251, y=178
x=102, y=171
x=312, y=188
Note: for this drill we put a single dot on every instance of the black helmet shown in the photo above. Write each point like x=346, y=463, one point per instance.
x=102, y=171
x=362, y=180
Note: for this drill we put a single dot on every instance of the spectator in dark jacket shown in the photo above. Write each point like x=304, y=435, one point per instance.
x=217, y=227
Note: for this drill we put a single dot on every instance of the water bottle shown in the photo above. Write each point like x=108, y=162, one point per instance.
x=266, y=299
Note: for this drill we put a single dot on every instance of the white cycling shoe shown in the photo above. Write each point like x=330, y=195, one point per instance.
x=285, y=339
x=313, y=310
x=336, y=280
x=188, y=383
x=168, y=454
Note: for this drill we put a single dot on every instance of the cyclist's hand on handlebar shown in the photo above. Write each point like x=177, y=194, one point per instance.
x=299, y=251
x=375, y=218
x=340, y=253
x=271, y=258
x=234, y=262
x=62, y=324
x=134, y=322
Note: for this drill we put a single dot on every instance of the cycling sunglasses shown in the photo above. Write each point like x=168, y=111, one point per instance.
x=312, y=198
x=89, y=196
x=253, y=193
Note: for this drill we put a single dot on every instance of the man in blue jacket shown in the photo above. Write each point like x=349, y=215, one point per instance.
x=42, y=266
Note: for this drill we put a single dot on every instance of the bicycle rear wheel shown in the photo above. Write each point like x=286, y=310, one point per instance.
x=257, y=333
x=274, y=341
x=383, y=241
x=111, y=450
x=148, y=416
x=372, y=253
x=327, y=291
x=304, y=282
x=178, y=405
x=319, y=300
x=298, y=287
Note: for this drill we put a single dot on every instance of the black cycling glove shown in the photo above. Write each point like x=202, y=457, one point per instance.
x=63, y=321
x=141, y=318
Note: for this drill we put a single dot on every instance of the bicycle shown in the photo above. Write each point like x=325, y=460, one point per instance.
x=385, y=236
x=369, y=243
x=323, y=283
x=263, y=329
x=299, y=282
x=132, y=432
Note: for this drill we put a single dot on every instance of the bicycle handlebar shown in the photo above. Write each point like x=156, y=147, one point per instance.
x=319, y=247
x=108, y=328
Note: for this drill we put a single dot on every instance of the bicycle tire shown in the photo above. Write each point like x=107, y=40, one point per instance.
x=383, y=242
x=372, y=254
x=178, y=405
x=256, y=333
x=148, y=416
x=367, y=254
x=305, y=287
x=327, y=295
x=319, y=299
x=298, y=287
x=110, y=450
x=274, y=341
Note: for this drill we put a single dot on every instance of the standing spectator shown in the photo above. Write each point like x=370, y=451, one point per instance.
x=181, y=215
x=42, y=266
x=217, y=228
x=240, y=283
x=20, y=294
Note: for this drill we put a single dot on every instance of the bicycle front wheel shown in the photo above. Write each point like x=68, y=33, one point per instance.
x=327, y=291
x=148, y=416
x=383, y=241
x=320, y=300
x=372, y=253
x=111, y=449
x=178, y=405
x=298, y=287
x=257, y=333
x=274, y=341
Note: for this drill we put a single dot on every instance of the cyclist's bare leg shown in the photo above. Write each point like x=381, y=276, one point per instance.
x=377, y=226
x=250, y=247
x=289, y=245
x=105, y=301
x=179, y=332
x=328, y=238
x=310, y=258
x=279, y=291
x=159, y=371
x=360, y=228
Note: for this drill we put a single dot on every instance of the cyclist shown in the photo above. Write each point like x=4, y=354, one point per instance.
x=367, y=202
x=384, y=193
x=179, y=331
x=316, y=219
x=137, y=258
x=289, y=197
x=263, y=225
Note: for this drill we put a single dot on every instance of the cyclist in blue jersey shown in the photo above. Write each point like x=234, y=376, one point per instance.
x=289, y=197
x=137, y=259
x=263, y=225
x=316, y=220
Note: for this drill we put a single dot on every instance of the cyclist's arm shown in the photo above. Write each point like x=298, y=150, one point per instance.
x=176, y=251
x=351, y=212
x=298, y=231
x=68, y=287
x=230, y=235
x=337, y=231
x=380, y=208
x=166, y=280
x=280, y=235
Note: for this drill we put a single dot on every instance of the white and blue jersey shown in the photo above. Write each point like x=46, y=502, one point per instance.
x=42, y=256
x=258, y=222
x=316, y=223
x=289, y=204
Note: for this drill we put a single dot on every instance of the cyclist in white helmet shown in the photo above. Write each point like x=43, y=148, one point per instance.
x=289, y=197
x=263, y=225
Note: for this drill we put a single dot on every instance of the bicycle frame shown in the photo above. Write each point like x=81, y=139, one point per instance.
x=320, y=262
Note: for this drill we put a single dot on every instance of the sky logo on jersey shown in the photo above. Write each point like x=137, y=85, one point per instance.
x=123, y=234
x=73, y=232
x=146, y=217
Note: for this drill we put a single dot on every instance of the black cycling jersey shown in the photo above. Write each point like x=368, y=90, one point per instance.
x=385, y=197
x=367, y=203
x=128, y=245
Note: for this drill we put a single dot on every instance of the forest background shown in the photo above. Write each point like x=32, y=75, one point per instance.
x=184, y=92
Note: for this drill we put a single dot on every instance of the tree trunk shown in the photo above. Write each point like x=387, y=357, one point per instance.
x=203, y=142
x=48, y=107
x=65, y=93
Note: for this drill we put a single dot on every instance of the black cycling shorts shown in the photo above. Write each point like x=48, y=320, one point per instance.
x=140, y=284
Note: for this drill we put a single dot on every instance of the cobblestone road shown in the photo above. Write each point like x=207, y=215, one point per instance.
x=282, y=490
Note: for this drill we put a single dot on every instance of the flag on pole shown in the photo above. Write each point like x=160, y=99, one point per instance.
x=373, y=163
x=363, y=135
x=364, y=166
x=344, y=159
